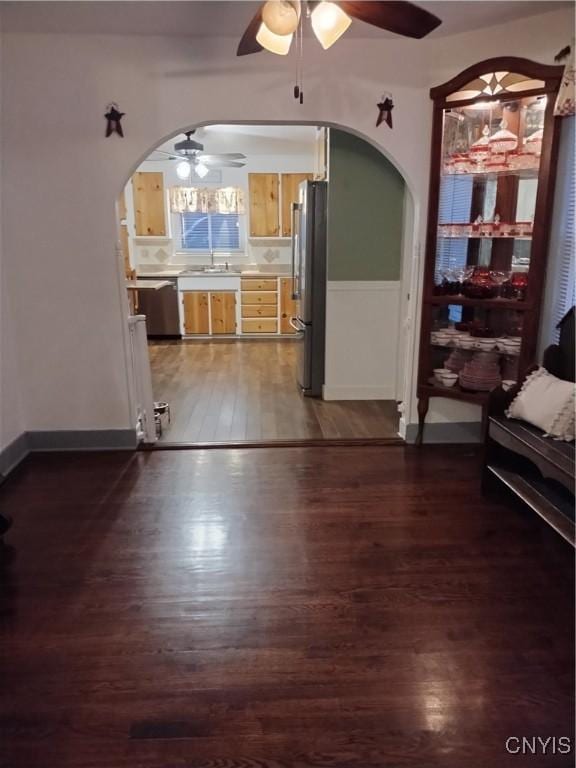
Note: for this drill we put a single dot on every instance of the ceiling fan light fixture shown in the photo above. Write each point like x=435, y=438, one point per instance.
x=281, y=16
x=183, y=170
x=279, y=44
x=201, y=170
x=329, y=22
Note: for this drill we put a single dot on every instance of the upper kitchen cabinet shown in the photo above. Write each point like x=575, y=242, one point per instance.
x=149, y=207
x=264, y=204
x=271, y=197
x=290, y=184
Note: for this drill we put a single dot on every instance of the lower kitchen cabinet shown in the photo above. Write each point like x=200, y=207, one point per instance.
x=223, y=312
x=288, y=307
x=260, y=326
x=196, y=312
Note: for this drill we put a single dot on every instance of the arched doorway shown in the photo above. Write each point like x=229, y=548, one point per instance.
x=353, y=281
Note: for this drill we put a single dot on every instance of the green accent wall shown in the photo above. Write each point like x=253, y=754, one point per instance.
x=365, y=212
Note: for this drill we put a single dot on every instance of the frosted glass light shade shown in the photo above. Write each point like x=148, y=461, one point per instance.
x=329, y=23
x=279, y=44
x=201, y=170
x=183, y=170
x=281, y=16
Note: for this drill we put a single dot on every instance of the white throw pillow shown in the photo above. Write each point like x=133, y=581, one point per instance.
x=546, y=402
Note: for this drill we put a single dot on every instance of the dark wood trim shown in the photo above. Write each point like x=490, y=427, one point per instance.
x=314, y=443
x=532, y=69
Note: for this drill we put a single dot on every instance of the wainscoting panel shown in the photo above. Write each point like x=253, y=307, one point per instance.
x=362, y=325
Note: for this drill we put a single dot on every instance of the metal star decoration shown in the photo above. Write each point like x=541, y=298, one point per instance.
x=113, y=116
x=385, y=108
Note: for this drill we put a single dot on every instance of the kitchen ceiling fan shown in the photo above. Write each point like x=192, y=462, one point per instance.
x=278, y=21
x=191, y=154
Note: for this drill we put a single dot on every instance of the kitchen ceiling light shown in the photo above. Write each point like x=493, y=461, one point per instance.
x=201, y=170
x=279, y=44
x=183, y=170
x=281, y=16
x=329, y=23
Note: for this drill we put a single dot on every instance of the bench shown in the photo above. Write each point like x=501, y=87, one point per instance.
x=539, y=470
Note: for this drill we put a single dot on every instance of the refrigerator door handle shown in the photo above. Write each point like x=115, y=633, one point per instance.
x=297, y=324
x=295, y=234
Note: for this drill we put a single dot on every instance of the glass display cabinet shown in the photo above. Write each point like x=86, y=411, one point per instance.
x=494, y=146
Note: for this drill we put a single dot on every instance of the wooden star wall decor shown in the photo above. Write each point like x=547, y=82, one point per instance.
x=113, y=116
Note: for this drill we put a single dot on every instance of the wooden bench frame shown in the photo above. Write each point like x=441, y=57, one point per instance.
x=510, y=443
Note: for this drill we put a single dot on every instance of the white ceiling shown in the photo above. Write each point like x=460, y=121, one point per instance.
x=250, y=140
x=225, y=18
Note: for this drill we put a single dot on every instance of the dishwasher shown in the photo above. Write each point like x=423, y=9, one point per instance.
x=161, y=308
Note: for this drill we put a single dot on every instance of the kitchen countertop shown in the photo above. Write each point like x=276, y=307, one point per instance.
x=187, y=272
x=135, y=285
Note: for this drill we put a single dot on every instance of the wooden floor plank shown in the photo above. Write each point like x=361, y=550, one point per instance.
x=289, y=608
x=246, y=390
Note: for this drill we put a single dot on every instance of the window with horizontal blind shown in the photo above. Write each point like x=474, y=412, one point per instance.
x=560, y=293
x=210, y=231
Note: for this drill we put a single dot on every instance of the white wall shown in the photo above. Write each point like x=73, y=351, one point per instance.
x=272, y=252
x=11, y=413
x=58, y=165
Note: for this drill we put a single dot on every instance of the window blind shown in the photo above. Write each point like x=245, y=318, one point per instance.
x=210, y=231
x=560, y=292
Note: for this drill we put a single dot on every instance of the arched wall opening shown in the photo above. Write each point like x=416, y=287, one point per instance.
x=401, y=349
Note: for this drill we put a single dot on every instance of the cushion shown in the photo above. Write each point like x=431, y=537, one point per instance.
x=546, y=402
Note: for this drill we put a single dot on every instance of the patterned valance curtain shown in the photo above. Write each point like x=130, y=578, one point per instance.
x=566, y=101
x=206, y=200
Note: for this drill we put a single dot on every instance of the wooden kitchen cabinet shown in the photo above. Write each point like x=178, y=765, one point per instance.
x=196, y=312
x=264, y=207
x=288, y=306
x=149, y=210
x=290, y=183
x=223, y=312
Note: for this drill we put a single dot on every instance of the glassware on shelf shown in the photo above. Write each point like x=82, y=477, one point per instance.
x=533, y=143
x=516, y=287
x=480, y=285
x=503, y=140
x=500, y=277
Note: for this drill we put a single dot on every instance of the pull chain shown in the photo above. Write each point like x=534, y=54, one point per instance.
x=299, y=46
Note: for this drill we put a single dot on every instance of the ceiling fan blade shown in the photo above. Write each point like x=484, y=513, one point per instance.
x=171, y=155
x=223, y=164
x=400, y=17
x=221, y=156
x=248, y=44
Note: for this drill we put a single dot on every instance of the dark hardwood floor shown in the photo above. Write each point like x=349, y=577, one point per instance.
x=288, y=608
x=225, y=391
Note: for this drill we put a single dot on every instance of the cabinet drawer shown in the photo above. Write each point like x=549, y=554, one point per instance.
x=259, y=326
x=250, y=310
x=255, y=297
x=258, y=284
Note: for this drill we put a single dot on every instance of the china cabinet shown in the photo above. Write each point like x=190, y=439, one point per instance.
x=494, y=146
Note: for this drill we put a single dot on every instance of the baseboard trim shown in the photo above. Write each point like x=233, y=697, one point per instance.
x=83, y=440
x=65, y=440
x=447, y=432
x=13, y=454
x=330, y=392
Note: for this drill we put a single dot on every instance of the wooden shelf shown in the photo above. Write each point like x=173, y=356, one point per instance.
x=453, y=393
x=521, y=173
x=521, y=306
x=484, y=237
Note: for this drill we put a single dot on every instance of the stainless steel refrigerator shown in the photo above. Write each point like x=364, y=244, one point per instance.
x=309, y=222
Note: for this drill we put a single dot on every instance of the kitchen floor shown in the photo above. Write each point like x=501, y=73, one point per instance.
x=246, y=390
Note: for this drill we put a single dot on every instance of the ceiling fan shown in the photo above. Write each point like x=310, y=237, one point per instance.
x=192, y=156
x=277, y=21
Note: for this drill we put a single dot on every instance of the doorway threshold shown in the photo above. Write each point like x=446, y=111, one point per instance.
x=304, y=443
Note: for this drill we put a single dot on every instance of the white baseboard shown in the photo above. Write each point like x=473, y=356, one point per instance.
x=357, y=393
